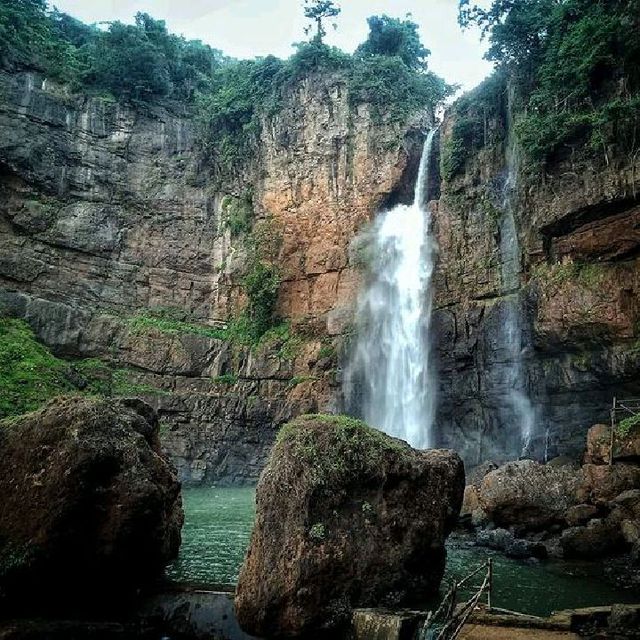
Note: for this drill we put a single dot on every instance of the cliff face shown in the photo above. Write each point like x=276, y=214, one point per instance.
x=570, y=276
x=108, y=211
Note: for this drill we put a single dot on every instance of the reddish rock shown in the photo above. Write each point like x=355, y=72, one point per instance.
x=346, y=517
x=602, y=483
x=598, y=445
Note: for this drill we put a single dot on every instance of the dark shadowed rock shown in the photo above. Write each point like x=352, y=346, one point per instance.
x=528, y=495
x=512, y=547
x=90, y=509
x=580, y=514
x=346, y=517
x=597, y=539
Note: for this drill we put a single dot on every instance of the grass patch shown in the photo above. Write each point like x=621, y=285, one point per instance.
x=226, y=378
x=172, y=322
x=30, y=374
x=331, y=450
x=559, y=274
x=296, y=380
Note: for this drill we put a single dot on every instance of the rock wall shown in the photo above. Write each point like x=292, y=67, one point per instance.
x=576, y=294
x=108, y=210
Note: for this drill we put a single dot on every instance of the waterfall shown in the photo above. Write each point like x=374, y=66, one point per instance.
x=390, y=380
x=510, y=268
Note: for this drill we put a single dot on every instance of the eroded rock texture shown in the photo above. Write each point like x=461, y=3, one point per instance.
x=572, y=282
x=346, y=517
x=107, y=210
x=90, y=508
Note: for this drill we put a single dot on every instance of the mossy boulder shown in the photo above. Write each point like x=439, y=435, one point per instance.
x=90, y=508
x=346, y=517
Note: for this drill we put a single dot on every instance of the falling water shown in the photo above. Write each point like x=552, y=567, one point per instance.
x=518, y=397
x=391, y=370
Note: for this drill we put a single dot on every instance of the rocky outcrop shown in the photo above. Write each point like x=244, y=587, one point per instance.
x=107, y=210
x=346, y=517
x=555, y=249
x=91, y=511
x=528, y=495
x=560, y=509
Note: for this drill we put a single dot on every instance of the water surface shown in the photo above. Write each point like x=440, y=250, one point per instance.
x=218, y=525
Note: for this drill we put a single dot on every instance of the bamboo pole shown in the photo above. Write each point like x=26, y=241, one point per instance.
x=613, y=427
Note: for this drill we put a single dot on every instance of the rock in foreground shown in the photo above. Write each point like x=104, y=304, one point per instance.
x=346, y=517
x=89, y=506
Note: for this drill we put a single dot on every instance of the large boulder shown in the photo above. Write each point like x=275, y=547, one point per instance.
x=528, y=495
x=602, y=483
x=346, y=517
x=89, y=506
x=599, y=538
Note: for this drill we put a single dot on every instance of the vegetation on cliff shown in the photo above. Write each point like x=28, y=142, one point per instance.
x=140, y=61
x=388, y=72
x=144, y=62
x=31, y=375
x=575, y=68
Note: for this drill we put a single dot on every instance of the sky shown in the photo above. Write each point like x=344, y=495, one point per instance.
x=250, y=28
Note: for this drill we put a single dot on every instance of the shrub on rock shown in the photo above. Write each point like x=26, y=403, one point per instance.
x=90, y=509
x=346, y=517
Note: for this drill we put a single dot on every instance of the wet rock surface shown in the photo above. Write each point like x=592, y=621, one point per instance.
x=108, y=210
x=346, y=517
x=91, y=511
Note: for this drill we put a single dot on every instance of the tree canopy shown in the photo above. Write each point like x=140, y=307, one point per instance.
x=576, y=64
x=395, y=37
x=317, y=11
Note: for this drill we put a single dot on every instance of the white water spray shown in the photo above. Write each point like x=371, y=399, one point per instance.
x=391, y=369
x=518, y=397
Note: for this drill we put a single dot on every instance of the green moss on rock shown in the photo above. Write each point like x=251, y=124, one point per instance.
x=30, y=374
x=335, y=448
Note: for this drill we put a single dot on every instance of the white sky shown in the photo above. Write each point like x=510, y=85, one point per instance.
x=249, y=28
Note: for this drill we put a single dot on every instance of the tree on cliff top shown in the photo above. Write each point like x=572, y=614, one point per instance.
x=394, y=37
x=317, y=11
x=576, y=65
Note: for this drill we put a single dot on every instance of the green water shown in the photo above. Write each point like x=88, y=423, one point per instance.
x=215, y=536
x=218, y=525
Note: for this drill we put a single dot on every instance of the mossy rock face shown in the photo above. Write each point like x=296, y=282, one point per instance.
x=90, y=509
x=346, y=517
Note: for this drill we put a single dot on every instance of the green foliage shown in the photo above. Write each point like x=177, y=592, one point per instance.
x=576, y=65
x=103, y=379
x=318, y=532
x=172, y=322
x=393, y=37
x=226, y=378
x=140, y=61
x=327, y=350
x=628, y=425
x=478, y=122
x=588, y=275
x=296, y=380
x=30, y=374
x=317, y=11
x=335, y=448
x=392, y=88
x=245, y=93
x=238, y=213
x=261, y=285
